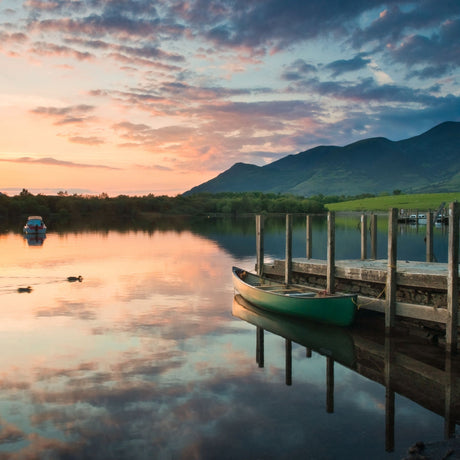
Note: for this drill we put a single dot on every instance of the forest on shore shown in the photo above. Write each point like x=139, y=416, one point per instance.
x=63, y=209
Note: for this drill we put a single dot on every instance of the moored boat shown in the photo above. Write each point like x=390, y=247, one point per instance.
x=295, y=300
x=34, y=225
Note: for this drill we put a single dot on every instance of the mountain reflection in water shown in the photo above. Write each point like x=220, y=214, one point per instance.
x=144, y=359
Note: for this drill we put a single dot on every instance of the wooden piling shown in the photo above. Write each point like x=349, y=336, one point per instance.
x=452, y=281
x=330, y=284
x=260, y=244
x=363, y=237
x=390, y=292
x=288, y=268
x=309, y=241
x=429, y=237
x=374, y=236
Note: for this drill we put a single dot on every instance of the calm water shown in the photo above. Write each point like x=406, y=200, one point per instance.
x=150, y=356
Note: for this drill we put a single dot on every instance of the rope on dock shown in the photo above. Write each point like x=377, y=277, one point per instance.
x=359, y=305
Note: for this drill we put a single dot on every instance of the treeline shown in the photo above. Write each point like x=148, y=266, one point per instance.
x=63, y=209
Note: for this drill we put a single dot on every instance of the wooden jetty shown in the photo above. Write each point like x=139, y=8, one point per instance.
x=421, y=291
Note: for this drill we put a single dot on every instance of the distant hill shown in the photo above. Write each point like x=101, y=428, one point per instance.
x=426, y=163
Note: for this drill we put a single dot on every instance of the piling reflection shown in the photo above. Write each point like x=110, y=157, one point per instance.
x=424, y=374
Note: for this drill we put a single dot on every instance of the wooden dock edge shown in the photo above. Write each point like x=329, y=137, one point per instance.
x=403, y=309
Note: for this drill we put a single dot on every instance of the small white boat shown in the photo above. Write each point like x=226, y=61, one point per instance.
x=34, y=225
x=418, y=219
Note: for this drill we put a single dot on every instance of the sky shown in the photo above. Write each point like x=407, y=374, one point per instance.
x=157, y=96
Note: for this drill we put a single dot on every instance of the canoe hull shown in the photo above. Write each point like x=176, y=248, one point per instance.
x=339, y=310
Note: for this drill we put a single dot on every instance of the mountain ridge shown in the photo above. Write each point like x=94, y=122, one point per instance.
x=428, y=162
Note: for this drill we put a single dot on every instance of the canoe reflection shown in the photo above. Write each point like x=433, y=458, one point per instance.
x=331, y=341
x=404, y=365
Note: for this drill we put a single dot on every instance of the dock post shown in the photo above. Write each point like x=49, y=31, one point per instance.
x=390, y=291
x=288, y=267
x=452, y=281
x=363, y=237
x=330, y=283
x=260, y=244
x=309, y=242
x=429, y=237
x=374, y=236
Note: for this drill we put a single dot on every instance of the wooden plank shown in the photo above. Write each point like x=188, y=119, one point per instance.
x=405, y=310
x=330, y=283
x=452, y=280
x=428, y=276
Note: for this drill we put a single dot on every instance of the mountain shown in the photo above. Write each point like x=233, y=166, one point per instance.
x=427, y=163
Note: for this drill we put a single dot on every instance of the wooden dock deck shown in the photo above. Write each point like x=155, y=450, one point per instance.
x=424, y=291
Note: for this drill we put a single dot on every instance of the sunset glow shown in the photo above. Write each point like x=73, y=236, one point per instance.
x=139, y=97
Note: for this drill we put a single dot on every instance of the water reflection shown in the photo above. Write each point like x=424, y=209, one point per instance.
x=35, y=239
x=405, y=366
x=143, y=358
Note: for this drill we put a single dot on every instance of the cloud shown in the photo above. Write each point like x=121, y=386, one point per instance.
x=66, y=115
x=53, y=162
x=200, y=84
x=342, y=66
x=51, y=50
x=298, y=70
x=86, y=140
x=271, y=24
x=440, y=51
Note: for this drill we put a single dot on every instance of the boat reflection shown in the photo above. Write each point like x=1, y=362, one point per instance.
x=35, y=239
x=407, y=366
x=331, y=341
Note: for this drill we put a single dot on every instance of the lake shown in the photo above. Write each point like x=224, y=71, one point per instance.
x=150, y=355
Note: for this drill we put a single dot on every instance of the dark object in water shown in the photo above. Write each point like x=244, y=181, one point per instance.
x=75, y=278
x=25, y=289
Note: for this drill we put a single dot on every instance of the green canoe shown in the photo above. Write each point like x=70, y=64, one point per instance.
x=337, y=309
